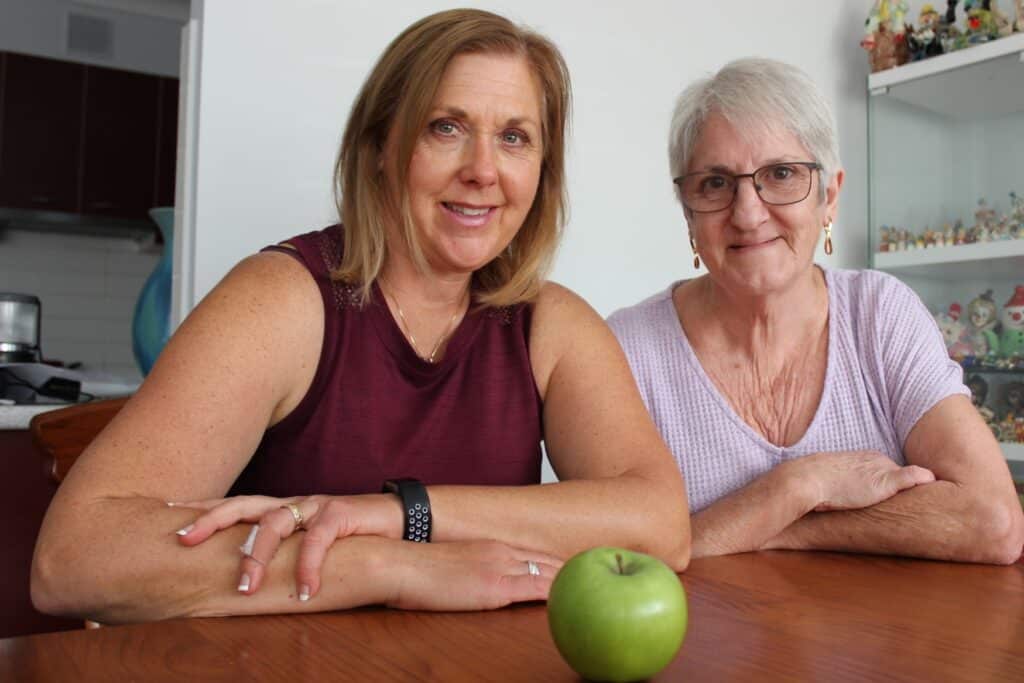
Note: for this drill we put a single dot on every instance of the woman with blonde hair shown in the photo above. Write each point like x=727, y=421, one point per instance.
x=414, y=348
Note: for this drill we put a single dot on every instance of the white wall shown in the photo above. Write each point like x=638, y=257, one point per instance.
x=140, y=43
x=276, y=81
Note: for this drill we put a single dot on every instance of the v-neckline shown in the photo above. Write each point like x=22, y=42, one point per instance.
x=391, y=335
x=726, y=406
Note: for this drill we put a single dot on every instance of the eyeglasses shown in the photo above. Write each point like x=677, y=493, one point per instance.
x=776, y=184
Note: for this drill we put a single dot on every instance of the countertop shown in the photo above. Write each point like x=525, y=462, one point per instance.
x=18, y=417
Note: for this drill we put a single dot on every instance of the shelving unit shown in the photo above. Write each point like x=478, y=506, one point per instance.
x=943, y=133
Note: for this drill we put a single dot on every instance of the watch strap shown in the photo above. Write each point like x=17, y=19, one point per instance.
x=416, y=515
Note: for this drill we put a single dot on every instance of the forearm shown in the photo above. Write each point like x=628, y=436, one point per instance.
x=746, y=519
x=568, y=517
x=120, y=561
x=941, y=521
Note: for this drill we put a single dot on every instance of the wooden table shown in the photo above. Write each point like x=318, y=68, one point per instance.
x=763, y=616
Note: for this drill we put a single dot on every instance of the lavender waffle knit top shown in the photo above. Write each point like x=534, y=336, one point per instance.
x=887, y=366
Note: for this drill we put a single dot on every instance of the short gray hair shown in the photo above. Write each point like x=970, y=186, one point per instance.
x=756, y=96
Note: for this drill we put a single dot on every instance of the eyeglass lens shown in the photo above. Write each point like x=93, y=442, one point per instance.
x=775, y=184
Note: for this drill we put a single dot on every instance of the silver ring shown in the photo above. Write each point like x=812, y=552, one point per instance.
x=296, y=514
x=532, y=569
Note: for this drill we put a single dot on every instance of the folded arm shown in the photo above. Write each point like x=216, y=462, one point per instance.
x=970, y=514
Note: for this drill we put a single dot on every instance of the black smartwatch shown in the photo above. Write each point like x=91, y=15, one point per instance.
x=415, y=506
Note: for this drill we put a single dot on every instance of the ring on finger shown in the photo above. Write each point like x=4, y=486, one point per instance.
x=532, y=569
x=296, y=515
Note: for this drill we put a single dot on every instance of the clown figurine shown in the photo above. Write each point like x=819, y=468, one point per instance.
x=1011, y=341
x=982, y=318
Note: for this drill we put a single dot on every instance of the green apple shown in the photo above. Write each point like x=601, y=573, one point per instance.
x=617, y=615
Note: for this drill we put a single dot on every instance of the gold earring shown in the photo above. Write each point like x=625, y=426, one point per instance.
x=828, y=238
x=696, y=258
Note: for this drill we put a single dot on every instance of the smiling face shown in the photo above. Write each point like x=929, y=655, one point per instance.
x=753, y=247
x=473, y=175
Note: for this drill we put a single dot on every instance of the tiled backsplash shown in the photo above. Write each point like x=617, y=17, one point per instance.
x=87, y=286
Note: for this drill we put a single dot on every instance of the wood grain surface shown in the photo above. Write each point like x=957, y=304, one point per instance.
x=759, y=616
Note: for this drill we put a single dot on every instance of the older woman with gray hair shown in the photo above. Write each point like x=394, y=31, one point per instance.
x=809, y=407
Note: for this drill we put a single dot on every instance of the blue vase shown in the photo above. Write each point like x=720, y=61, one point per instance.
x=151, y=322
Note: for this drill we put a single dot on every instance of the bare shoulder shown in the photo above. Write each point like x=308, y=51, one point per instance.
x=566, y=326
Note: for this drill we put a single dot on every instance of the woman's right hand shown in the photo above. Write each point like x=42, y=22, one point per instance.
x=467, y=576
x=851, y=480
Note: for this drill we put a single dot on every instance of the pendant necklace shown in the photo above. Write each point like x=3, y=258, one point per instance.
x=431, y=357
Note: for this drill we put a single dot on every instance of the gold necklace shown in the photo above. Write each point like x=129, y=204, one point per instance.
x=430, y=358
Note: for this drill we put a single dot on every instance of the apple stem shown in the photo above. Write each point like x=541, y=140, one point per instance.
x=618, y=558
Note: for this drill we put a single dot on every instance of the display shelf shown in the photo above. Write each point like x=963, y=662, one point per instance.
x=966, y=261
x=970, y=73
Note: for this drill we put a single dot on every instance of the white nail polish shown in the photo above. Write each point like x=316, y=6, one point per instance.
x=170, y=504
x=303, y=593
x=246, y=547
x=243, y=585
x=183, y=532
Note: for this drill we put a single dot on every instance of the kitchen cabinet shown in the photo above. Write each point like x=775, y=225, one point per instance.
x=946, y=188
x=85, y=140
x=25, y=492
x=40, y=136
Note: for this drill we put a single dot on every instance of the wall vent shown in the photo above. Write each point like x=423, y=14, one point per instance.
x=90, y=36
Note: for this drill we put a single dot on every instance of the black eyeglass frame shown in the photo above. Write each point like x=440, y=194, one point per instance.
x=813, y=165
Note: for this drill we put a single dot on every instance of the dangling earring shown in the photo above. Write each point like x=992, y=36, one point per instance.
x=828, y=238
x=696, y=258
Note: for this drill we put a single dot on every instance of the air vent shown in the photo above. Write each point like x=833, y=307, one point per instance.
x=90, y=36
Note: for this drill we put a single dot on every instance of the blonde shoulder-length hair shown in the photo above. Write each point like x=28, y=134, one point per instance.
x=398, y=95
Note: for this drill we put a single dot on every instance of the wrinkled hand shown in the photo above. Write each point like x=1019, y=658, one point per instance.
x=324, y=520
x=851, y=480
x=474, y=575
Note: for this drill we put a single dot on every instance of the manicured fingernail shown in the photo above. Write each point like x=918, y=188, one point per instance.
x=303, y=593
x=246, y=547
x=186, y=530
x=243, y=585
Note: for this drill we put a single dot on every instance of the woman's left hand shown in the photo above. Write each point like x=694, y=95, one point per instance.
x=324, y=519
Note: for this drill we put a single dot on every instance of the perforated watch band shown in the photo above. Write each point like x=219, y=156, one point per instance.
x=415, y=506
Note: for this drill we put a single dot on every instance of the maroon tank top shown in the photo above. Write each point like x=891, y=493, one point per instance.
x=376, y=410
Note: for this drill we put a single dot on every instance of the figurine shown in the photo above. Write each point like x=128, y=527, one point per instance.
x=947, y=32
x=981, y=27
x=1015, y=219
x=954, y=333
x=982, y=319
x=885, y=35
x=1011, y=340
x=1019, y=24
x=984, y=215
x=979, y=390
x=1013, y=395
x=1002, y=24
x=924, y=42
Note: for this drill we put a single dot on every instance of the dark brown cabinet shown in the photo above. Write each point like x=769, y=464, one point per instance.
x=84, y=139
x=40, y=138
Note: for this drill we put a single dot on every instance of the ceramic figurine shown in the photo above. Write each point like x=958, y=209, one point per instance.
x=982, y=319
x=924, y=42
x=979, y=389
x=1019, y=23
x=1013, y=395
x=954, y=332
x=981, y=27
x=1011, y=340
x=885, y=35
x=947, y=32
x=1002, y=23
x=1016, y=216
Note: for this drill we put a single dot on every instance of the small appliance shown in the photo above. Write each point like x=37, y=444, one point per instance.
x=19, y=328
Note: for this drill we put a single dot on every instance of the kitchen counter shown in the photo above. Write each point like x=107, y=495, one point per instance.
x=18, y=417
